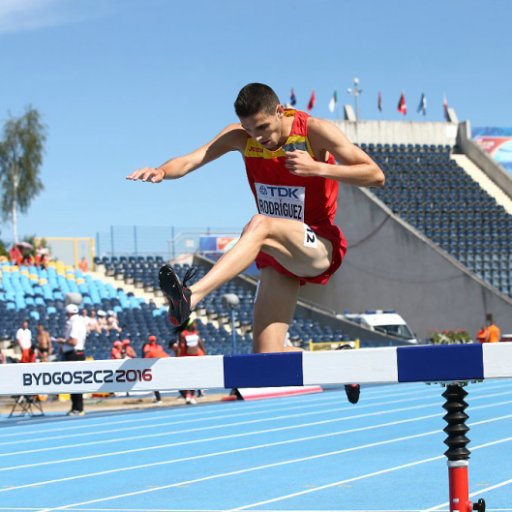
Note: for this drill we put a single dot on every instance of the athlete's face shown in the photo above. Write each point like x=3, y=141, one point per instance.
x=265, y=128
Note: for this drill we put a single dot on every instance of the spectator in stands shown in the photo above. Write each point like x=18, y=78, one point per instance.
x=91, y=321
x=73, y=349
x=293, y=238
x=102, y=320
x=128, y=351
x=24, y=339
x=490, y=333
x=44, y=343
x=117, y=350
x=112, y=322
x=189, y=344
x=151, y=350
x=16, y=255
x=86, y=318
x=83, y=265
x=41, y=259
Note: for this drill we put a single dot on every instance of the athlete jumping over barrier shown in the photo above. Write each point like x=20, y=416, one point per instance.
x=294, y=163
x=290, y=160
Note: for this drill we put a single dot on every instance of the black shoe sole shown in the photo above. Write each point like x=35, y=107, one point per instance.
x=353, y=392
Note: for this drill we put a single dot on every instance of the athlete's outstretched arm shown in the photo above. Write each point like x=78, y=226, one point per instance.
x=232, y=138
x=353, y=165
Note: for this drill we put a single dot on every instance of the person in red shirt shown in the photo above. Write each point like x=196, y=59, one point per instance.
x=117, y=350
x=128, y=349
x=294, y=164
x=151, y=350
x=83, y=265
x=16, y=255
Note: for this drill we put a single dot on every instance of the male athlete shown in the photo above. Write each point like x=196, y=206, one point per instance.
x=294, y=163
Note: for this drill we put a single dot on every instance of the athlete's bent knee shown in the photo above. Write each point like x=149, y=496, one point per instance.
x=259, y=225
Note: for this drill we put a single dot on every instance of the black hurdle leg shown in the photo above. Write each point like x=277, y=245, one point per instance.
x=458, y=453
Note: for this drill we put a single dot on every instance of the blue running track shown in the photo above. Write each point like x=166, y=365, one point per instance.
x=305, y=453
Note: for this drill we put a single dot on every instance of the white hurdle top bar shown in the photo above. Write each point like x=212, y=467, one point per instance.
x=428, y=363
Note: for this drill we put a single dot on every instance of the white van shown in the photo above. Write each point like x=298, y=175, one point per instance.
x=386, y=321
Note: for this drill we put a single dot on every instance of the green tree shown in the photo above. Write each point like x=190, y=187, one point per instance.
x=21, y=156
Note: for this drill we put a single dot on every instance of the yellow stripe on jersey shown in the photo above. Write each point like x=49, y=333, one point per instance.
x=255, y=150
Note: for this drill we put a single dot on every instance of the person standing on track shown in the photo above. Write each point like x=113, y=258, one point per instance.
x=73, y=349
x=153, y=350
x=293, y=163
x=189, y=344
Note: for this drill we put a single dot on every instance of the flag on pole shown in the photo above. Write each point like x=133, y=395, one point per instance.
x=445, y=108
x=333, y=101
x=402, y=106
x=293, y=99
x=312, y=99
x=422, y=107
x=379, y=101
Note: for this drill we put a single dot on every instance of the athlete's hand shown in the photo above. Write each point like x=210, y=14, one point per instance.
x=151, y=174
x=300, y=163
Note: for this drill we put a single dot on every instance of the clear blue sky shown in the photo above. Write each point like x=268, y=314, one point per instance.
x=123, y=84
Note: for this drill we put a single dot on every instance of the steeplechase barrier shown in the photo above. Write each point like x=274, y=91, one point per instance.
x=451, y=365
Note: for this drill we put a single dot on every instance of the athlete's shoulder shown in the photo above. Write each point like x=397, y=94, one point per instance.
x=323, y=131
x=234, y=136
x=320, y=125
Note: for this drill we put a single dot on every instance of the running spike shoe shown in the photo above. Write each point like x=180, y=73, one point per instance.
x=177, y=293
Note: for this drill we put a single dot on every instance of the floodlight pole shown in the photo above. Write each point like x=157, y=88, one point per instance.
x=232, y=301
x=356, y=92
x=234, y=348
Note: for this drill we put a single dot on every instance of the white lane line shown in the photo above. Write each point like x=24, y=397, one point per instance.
x=361, y=477
x=222, y=426
x=396, y=390
x=115, y=433
x=195, y=457
x=267, y=466
x=239, y=450
x=198, y=417
x=239, y=435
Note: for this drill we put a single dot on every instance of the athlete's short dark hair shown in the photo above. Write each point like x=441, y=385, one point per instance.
x=255, y=98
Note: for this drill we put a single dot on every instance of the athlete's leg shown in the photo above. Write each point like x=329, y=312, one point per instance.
x=302, y=253
x=273, y=310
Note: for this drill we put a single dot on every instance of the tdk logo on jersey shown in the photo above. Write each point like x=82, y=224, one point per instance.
x=281, y=201
x=282, y=192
